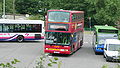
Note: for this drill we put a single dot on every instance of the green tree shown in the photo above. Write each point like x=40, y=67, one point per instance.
x=27, y=6
x=101, y=11
x=105, y=11
x=9, y=6
x=0, y=8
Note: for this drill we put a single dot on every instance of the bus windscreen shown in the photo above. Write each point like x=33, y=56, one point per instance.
x=58, y=16
x=107, y=31
x=58, y=38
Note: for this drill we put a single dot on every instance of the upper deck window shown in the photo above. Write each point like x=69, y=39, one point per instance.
x=77, y=17
x=58, y=16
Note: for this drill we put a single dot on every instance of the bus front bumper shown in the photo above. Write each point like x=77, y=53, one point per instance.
x=58, y=52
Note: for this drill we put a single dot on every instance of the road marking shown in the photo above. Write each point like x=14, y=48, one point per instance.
x=85, y=42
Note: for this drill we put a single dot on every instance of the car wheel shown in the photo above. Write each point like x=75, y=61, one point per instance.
x=96, y=53
x=103, y=55
x=107, y=60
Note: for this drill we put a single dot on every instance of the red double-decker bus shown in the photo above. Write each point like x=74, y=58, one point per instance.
x=64, y=31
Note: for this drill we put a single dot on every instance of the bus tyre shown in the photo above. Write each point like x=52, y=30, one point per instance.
x=20, y=38
x=72, y=49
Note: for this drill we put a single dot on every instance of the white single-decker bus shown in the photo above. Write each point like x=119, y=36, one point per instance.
x=21, y=30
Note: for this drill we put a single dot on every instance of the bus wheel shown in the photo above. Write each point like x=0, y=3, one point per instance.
x=20, y=38
x=72, y=49
x=107, y=60
x=81, y=43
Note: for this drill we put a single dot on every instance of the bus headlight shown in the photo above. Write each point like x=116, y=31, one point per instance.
x=46, y=48
x=62, y=50
x=66, y=49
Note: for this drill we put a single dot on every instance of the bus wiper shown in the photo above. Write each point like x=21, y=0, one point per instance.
x=61, y=29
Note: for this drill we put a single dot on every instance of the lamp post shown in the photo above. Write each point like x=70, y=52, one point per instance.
x=89, y=22
x=43, y=10
x=14, y=9
x=3, y=9
x=44, y=13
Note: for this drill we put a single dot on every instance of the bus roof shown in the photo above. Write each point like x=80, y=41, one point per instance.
x=68, y=11
x=7, y=21
x=105, y=27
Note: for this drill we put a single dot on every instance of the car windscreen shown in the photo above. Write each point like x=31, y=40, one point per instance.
x=114, y=47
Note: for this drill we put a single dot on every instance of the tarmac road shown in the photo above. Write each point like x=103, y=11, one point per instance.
x=27, y=52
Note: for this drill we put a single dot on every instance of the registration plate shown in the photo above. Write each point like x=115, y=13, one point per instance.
x=116, y=58
x=56, y=52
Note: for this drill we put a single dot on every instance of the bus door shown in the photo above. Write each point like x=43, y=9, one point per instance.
x=5, y=32
x=94, y=39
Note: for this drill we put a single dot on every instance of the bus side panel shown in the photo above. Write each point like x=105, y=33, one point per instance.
x=13, y=36
x=7, y=37
x=77, y=40
x=33, y=36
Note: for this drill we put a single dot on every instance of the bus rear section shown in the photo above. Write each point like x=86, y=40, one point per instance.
x=100, y=35
x=62, y=43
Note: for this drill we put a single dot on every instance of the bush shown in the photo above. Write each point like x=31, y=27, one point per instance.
x=36, y=17
x=46, y=61
x=9, y=64
x=107, y=66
